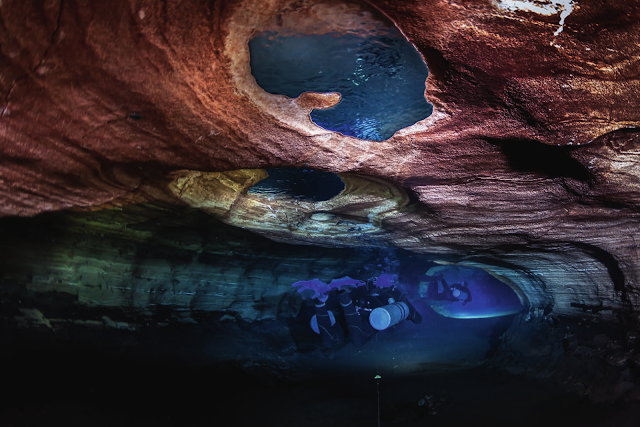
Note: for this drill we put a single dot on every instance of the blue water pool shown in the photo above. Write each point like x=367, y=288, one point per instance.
x=381, y=78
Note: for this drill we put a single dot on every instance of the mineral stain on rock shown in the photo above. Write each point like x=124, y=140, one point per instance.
x=544, y=7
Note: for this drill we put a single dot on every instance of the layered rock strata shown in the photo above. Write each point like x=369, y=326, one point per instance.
x=528, y=166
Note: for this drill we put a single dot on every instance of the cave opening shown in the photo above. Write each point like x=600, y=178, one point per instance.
x=300, y=184
x=150, y=297
x=378, y=73
x=164, y=293
x=486, y=296
x=533, y=156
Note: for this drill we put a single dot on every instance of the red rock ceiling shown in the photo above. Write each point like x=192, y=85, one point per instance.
x=75, y=75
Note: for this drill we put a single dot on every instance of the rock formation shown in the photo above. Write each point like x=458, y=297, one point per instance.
x=528, y=167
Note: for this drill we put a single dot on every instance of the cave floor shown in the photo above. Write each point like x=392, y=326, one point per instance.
x=273, y=374
x=68, y=393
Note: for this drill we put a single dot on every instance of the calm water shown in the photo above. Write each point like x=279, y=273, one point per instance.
x=381, y=79
x=302, y=184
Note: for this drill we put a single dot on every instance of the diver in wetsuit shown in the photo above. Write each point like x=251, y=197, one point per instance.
x=357, y=306
x=358, y=300
x=455, y=292
x=325, y=325
x=461, y=292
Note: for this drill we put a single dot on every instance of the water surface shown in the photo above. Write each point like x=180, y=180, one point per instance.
x=381, y=78
x=299, y=183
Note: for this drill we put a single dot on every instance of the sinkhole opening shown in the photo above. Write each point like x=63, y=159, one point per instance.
x=378, y=73
x=299, y=183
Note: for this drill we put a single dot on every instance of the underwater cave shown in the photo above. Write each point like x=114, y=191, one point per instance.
x=191, y=233
x=161, y=299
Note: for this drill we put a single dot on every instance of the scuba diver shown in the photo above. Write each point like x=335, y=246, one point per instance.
x=455, y=292
x=368, y=307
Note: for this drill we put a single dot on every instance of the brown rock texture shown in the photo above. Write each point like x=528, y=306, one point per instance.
x=528, y=165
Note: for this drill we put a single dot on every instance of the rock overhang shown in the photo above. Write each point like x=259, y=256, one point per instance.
x=89, y=128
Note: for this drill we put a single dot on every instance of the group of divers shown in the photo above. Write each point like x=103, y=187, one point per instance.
x=370, y=306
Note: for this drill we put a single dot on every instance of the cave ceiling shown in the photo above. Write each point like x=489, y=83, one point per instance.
x=528, y=165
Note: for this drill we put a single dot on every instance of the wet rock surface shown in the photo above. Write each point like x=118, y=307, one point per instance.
x=146, y=257
x=528, y=167
x=596, y=357
x=530, y=157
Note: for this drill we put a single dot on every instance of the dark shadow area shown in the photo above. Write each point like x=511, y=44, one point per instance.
x=109, y=379
x=495, y=338
x=301, y=184
x=601, y=255
x=549, y=160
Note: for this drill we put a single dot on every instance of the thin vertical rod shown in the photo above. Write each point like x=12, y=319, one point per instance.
x=378, y=387
x=375, y=351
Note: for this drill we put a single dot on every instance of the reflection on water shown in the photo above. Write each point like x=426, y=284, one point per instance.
x=381, y=78
x=301, y=184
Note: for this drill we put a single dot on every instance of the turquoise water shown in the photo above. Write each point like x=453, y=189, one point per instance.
x=381, y=78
